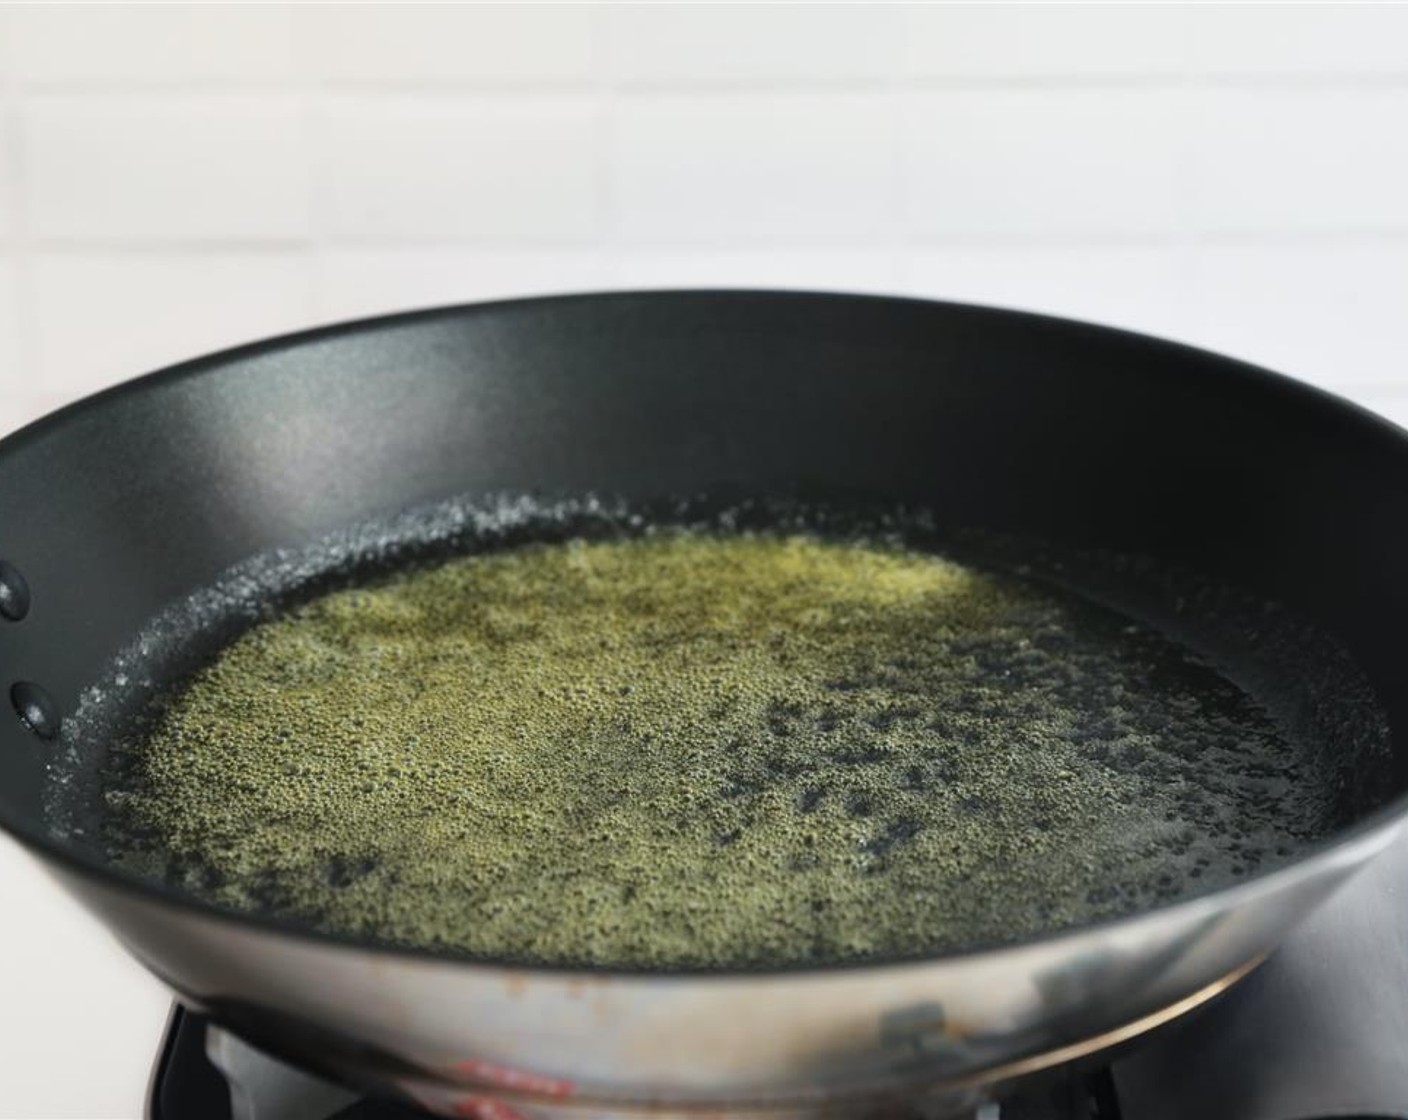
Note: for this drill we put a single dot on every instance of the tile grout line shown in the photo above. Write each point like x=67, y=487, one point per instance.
x=1286, y=239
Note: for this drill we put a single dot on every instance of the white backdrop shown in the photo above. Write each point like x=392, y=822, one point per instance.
x=178, y=178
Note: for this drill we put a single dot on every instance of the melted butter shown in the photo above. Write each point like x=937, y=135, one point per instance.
x=706, y=750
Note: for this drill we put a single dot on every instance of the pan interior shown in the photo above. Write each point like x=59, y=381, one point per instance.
x=678, y=751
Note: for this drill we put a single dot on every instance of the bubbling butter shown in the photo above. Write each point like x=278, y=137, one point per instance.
x=704, y=749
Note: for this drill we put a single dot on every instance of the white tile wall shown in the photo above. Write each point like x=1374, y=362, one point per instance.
x=1033, y=43
x=9, y=129
x=1141, y=288
x=99, y=316
x=1043, y=163
x=749, y=44
x=444, y=44
x=423, y=168
x=1321, y=312
x=751, y=168
x=353, y=282
x=11, y=383
x=188, y=167
x=1352, y=40
x=175, y=177
x=857, y=270
x=135, y=45
x=1296, y=161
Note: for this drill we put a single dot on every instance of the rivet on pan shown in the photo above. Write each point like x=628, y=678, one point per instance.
x=36, y=708
x=14, y=592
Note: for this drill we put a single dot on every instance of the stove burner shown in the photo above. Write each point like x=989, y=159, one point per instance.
x=206, y=1073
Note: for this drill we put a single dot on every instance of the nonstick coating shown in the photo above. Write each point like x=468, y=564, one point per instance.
x=1016, y=424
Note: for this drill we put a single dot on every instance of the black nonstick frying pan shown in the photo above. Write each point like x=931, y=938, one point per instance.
x=1092, y=439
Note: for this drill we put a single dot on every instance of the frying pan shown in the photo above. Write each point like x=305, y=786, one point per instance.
x=120, y=505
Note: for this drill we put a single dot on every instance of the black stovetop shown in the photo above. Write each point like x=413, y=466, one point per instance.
x=1320, y=1030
